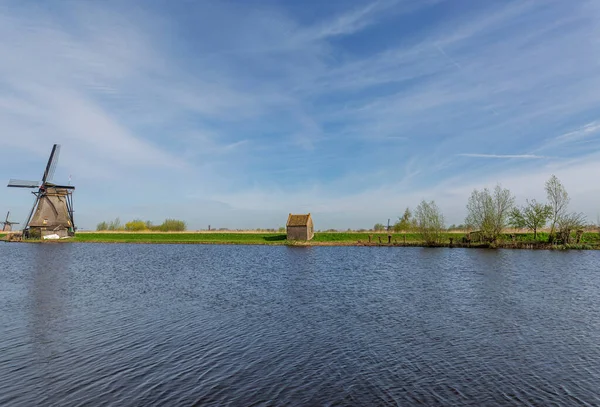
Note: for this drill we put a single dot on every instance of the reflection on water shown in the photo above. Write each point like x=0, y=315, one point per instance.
x=46, y=311
x=249, y=325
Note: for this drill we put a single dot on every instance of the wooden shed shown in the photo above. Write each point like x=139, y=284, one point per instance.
x=300, y=227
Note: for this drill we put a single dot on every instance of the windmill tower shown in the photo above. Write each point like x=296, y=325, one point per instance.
x=7, y=225
x=52, y=211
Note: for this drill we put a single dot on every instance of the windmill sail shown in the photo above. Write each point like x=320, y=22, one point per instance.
x=51, y=166
x=19, y=183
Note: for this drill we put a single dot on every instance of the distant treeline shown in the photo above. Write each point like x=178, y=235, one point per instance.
x=490, y=212
x=138, y=225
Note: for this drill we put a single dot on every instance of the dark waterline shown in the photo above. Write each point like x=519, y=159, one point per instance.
x=139, y=325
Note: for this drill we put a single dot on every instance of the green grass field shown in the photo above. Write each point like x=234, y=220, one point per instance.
x=324, y=238
x=234, y=238
x=221, y=238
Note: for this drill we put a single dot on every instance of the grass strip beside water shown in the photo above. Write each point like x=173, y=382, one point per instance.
x=323, y=238
x=222, y=238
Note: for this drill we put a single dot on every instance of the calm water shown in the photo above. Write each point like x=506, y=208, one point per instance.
x=140, y=325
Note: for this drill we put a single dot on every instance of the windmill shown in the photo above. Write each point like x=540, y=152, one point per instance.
x=52, y=211
x=7, y=225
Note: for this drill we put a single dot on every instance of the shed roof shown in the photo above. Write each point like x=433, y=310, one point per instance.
x=298, y=220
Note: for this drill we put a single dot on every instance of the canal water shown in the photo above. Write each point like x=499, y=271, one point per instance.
x=141, y=325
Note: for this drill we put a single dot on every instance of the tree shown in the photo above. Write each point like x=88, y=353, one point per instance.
x=404, y=223
x=136, y=225
x=558, y=199
x=532, y=216
x=430, y=222
x=568, y=223
x=115, y=224
x=489, y=211
x=102, y=226
x=379, y=227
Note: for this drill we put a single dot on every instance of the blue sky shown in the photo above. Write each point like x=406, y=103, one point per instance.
x=235, y=113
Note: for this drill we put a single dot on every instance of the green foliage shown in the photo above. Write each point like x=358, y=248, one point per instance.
x=172, y=225
x=532, y=216
x=430, y=222
x=406, y=222
x=136, y=225
x=281, y=229
x=489, y=212
x=379, y=227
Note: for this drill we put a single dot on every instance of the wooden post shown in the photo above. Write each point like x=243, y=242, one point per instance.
x=389, y=239
x=379, y=239
x=370, y=237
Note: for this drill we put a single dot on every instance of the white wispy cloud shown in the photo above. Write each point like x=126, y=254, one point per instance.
x=587, y=130
x=349, y=22
x=275, y=113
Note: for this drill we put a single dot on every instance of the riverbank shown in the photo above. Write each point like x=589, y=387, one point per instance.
x=450, y=239
x=589, y=241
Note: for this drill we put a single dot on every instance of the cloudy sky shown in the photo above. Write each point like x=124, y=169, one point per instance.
x=235, y=113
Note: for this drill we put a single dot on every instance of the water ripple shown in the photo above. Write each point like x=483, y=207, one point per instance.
x=139, y=325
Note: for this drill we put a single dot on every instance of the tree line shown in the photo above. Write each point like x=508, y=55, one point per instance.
x=138, y=225
x=489, y=212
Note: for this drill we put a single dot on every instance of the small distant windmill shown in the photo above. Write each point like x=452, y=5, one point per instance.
x=52, y=211
x=7, y=225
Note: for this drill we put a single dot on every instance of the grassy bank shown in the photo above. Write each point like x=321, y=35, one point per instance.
x=191, y=237
x=521, y=240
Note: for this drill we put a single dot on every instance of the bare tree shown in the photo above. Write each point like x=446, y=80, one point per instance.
x=489, y=211
x=568, y=223
x=558, y=199
x=430, y=222
x=532, y=216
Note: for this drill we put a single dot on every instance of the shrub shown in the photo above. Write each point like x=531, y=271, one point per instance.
x=430, y=222
x=136, y=225
x=172, y=225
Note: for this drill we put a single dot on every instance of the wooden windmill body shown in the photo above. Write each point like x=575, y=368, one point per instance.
x=52, y=212
x=7, y=225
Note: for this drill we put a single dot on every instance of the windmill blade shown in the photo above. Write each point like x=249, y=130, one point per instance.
x=19, y=183
x=51, y=166
x=35, y=202
x=7, y=215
